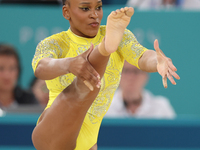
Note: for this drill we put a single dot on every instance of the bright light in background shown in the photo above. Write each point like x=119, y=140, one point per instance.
x=1, y=113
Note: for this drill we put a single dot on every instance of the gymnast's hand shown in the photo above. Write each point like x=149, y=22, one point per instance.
x=165, y=66
x=80, y=67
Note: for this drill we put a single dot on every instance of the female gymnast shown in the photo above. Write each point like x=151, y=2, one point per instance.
x=82, y=77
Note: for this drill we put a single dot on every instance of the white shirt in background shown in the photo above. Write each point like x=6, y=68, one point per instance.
x=157, y=4
x=152, y=107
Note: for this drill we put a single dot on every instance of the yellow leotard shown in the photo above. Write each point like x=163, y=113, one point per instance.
x=67, y=44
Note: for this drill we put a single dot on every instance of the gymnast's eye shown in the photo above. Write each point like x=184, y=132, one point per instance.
x=85, y=8
x=99, y=7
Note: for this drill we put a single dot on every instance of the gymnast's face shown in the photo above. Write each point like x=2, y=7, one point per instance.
x=84, y=16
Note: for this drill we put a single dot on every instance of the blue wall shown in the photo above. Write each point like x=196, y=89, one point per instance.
x=177, y=31
x=115, y=134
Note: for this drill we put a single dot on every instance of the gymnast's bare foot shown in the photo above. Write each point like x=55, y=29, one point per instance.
x=117, y=22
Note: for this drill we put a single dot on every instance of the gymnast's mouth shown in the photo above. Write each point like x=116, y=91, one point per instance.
x=94, y=24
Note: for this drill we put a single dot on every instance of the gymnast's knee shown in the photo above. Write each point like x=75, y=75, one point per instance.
x=42, y=142
x=36, y=140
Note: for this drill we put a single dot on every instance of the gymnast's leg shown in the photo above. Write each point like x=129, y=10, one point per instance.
x=59, y=125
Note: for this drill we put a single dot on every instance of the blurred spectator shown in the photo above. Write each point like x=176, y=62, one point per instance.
x=159, y=4
x=114, y=2
x=32, y=1
x=11, y=95
x=131, y=99
x=40, y=90
x=190, y=4
x=105, y=2
x=151, y=4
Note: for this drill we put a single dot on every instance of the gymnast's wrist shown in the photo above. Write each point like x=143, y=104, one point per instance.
x=66, y=65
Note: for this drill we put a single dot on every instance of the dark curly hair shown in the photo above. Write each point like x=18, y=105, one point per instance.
x=65, y=2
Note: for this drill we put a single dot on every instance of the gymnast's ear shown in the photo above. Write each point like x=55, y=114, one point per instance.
x=65, y=10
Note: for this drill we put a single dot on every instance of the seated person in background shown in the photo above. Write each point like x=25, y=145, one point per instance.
x=190, y=4
x=11, y=95
x=164, y=4
x=152, y=4
x=131, y=99
x=32, y=1
x=40, y=91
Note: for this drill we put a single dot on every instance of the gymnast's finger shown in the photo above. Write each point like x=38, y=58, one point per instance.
x=171, y=65
x=164, y=80
x=173, y=73
x=92, y=79
x=92, y=76
x=88, y=85
x=171, y=79
x=87, y=53
x=156, y=46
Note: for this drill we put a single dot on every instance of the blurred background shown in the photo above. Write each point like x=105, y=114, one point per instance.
x=176, y=25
